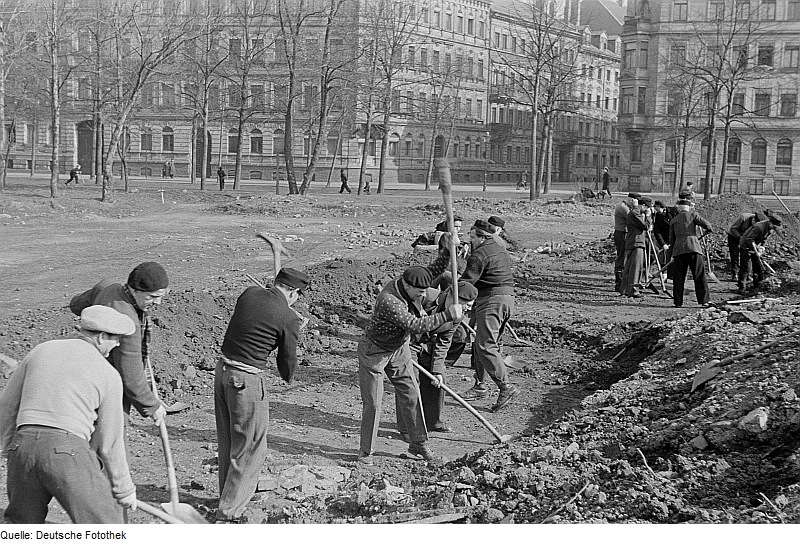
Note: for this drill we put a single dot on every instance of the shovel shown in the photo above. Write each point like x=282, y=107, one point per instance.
x=500, y=437
x=184, y=512
x=711, y=274
x=712, y=368
x=155, y=512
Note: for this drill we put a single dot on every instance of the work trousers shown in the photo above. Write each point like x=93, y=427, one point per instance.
x=432, y=396
x=748, y=258
x=619, y=262
x=44, y=462
x=634, y=268
x=491, y=315
x=695, y=263
x=733, y=248
x=373, y=362
x=241, y=408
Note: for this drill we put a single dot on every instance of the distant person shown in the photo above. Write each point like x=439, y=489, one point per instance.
x=344, y=186
x=366, y=187
x=606, y=183
x=171, y=168
x=221, y=177
x=164, y=169
x=74, y=175
x=61, y=426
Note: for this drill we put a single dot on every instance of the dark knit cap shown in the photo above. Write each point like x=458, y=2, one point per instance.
x=637, y=196
x=418, y=276
x=466, y=291
x=483, y=228
x=292, y=278
x=497, y=221
x=148, y=277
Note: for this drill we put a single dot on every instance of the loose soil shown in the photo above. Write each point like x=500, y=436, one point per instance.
x=606, y=428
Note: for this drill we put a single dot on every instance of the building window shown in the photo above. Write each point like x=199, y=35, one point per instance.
x=768, y=10
x=257, y=142
x=743, y=9
x=716, y=11
x=755, y=187
x=730, y=186
x=641, y=102
x=762, y=103
x=636, y=151
x=167, y=139
x=643, y=56
x=634, y=183
x=670, y=150
x=758, y=153
x=765, y=54
x=481, y=29
x=471, y=27
x=788, y=105
x=628, y=104
x=793, y=10
x=784, y=154
x=704, y=152
x=233, y=141
x=738, y=104
x=781, y=187
x=479, y=107
x=677, y=54
x=277, y=141
x=146, y=140
x=680, y=10
x=629, y=57
x=792, y=59
x=735, y=151
x=235, y=48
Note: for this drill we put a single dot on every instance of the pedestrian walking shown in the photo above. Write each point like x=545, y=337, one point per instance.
x=74, y=175
x=145, y=289
x=263, y=321
x=639, y=221
x=688, y=253
x=606, y=182
x=621, y=211
x=735, y=232
x=751, y=246
x=63, y=396
x=344, y=186
x=384, y=349
x=221, y=177
x=489, y=270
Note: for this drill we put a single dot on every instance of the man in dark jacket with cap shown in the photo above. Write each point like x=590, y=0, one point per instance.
x=621, y=211
x=489, y=270
x=735, y=232
x=687, y=253
x=384, y=349
x=263, y=321
x=751, y=246
x=661, y=219
x=145, y=289
x=639, y=221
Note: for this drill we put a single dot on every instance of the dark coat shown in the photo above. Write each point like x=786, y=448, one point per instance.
x=683, y=232
x=636, y=229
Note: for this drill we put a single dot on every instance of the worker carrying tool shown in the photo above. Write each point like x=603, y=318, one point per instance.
x=638, y=225
x=384, y=349
x=735, y=232
x=145, y=289
x=751, y=247
x=263, y=321
x=621, y=211
x=687, y=253
x=63, y=395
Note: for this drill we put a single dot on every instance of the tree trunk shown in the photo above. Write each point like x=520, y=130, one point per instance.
x=288, y=139
x=55, y=106
x=725, y=143
x=237, y=169
x=3, y=135
x=365, y=150
x=206, y=144
x=712, y=134
x=534, y=188
x=384, y=143
x=549, y=179
x=34, y=137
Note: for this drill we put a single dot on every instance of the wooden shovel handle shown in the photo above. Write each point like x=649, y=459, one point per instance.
x=733, y=358
x=160, y=514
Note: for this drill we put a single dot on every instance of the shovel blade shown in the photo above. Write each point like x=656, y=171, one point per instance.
x=177, y=407
x=512, y=362
x=184, y=512
x=704, y=375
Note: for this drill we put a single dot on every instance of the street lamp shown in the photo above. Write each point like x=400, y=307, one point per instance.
x=485, y=157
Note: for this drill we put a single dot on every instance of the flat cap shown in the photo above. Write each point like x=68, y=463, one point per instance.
x=105, y=319
x=293, y=278
x=483, y=228
x=497, y=221
x=637, y=196
x=775, y=220
x=148, y=277
x=660, y=204
x=683, y=202
x=685, y=193
x=646, y=200
x=466, y=291
x=418, y=276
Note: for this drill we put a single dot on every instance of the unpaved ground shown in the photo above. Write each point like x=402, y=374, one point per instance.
x=566, y=308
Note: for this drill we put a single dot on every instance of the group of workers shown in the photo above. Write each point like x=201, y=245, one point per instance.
x=673, y=237
x=66, y=407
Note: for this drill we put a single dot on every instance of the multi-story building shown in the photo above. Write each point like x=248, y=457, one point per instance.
x=452, y=94
x=670, y=48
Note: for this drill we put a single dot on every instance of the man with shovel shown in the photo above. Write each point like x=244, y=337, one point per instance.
x=263, y=321
x=384, y=349
x=751, y=246
x=687, y=253
x=63, y=395
x=145, y=289
x=621, y=211
x=735, y=232
x=639, y=221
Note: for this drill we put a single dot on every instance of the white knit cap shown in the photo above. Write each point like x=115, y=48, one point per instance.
x=105, y=319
